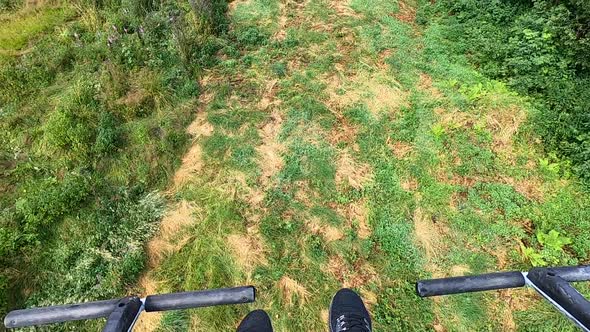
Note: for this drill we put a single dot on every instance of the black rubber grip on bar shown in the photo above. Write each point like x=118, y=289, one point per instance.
x=456, y=285
x=572, y=273
x=58, y=314
x=206, y=298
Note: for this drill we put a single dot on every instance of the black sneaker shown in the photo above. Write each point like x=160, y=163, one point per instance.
x=348, y=313
x=256, y=321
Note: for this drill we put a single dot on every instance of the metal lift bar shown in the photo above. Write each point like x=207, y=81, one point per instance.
x=121, y=309
x=551, y=283
x=563, y=296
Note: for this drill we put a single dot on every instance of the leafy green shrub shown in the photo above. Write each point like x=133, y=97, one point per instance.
x=539, y=48
x=552, y=253
x=45, y=202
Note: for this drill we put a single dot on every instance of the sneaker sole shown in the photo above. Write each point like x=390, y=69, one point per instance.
x=330, y=314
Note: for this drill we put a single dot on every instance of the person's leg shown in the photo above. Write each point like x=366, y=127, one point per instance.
x=256, y=321
x=348, y=313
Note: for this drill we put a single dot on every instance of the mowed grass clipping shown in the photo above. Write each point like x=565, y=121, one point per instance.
x=340, y=144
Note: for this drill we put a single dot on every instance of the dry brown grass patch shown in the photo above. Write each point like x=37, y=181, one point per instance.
x=409, y=184
x=329, y=233
x=369, y=298
x=134, y=98
x=281, y=32
x=270, y=151
x=425, y=84
x=399, y=149
x=343, y=132
x=341, y=8
x=459, y=270
x=506, y=302
x=504, y=123
x=382, y=59
x=456, y=118
x=349, y=276
x=233, y=4
x=531, y=188
x=235, y=184
x=457, y=198
x=304, y=194
x=429, y=233
x=458, y=180
x=438, y=327
x=352, y=173
x=148, y=322
x=379, y=93
x=356, y=213
x=161, y=244
x=247, y=250
x=165, y=242
x=406, y=13
x=268, y=96
x=200, y=126
x=292, y=291
x=192, y=163
x=325, y=316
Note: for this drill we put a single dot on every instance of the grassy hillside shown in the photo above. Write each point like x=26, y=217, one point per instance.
x=94, y=102
x=299, y=146
x=342, y=144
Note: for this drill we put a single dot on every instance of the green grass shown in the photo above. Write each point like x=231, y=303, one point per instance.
x=19, y=28
x=481, y=221
x=93, y=121
x=364, y=196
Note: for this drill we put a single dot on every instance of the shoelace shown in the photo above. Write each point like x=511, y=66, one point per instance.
x=353, y=323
